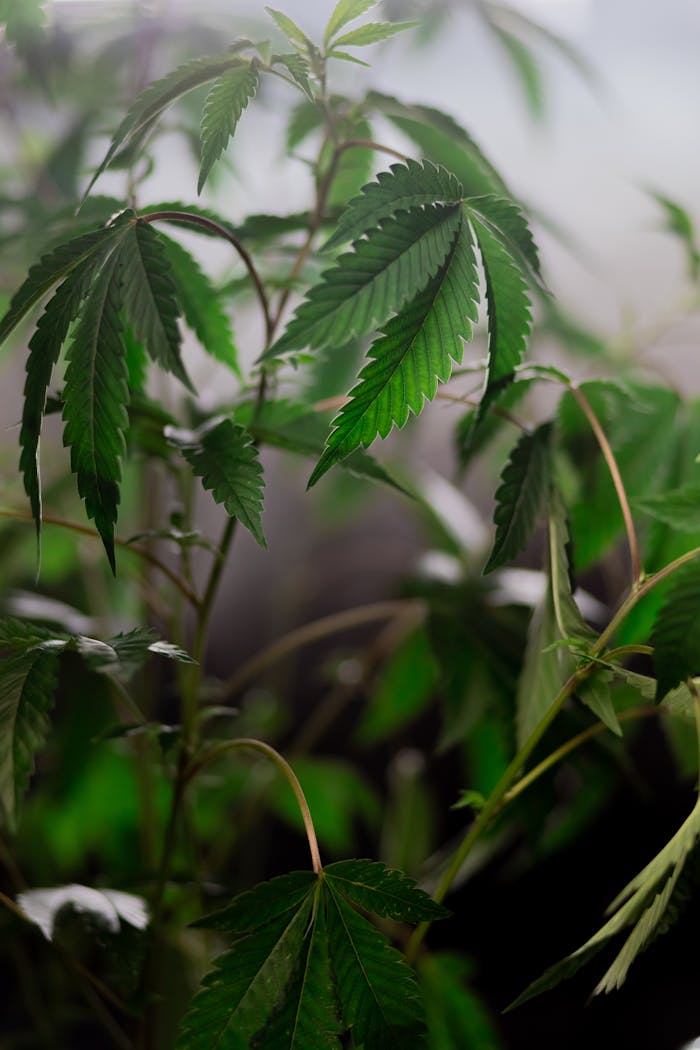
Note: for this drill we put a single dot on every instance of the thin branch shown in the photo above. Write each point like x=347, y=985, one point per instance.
x=191, y=219
x=609, y=457
x=310, y=632
x=257, y=745
x=370, y=144
x=135, y=548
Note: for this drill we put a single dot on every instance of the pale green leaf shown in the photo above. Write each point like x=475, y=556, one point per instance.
x=596, y=694
x=679, y=223
x=407, y=362
x=521, y=496
x=95, y=398
x=345, y=11
x=366, y=286
x=201, y=305
x=223, y=455
x=371, y=33
x=404, y=186
x=158, y=96
x=289, y=27
x=27, y=685
x=150, y=298
x=526, y=68
x=299, y=70
x=227, y=99
x=676, y=634
x=345, y=56
x=304, y=119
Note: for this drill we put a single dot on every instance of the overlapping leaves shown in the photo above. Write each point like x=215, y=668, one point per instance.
x=412, y=270
x=305, y=967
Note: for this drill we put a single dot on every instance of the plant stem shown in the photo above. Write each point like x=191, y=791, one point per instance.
x=134, y=548
x=190, y=219
x=311, y=632
x=609, y=456
x=644, y=711
x=257, y=745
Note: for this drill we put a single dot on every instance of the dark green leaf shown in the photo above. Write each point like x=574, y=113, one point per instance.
x=676, y=634
x=201, y=305
x=376, y=279
x=679, y=508
x=383, y=891
x=96, y=394
x=265, y=903
x=27, y=685
x=403, y=187
x=407, y=362
x=508, y=305
x=229, y=96
x=158, y=96
x=521, y=496
x=377, y=993
x=223, y=455
x=507, y=222
x=457, y=1019
x=150, y=298
x=405, y=686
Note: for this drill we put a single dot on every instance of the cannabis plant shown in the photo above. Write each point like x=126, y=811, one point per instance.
x=411, y=267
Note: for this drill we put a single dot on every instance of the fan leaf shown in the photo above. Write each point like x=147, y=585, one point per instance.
x=150, y=298
x=508, y=305
x=377, y=992
x=158, y=96
x=27, y=685
x=383, y=891
x=676, y=634
x=404, y=186
x=223, y=455
x=299, y=69
x=201, y=305
x=521, y=496
x=367, y=285
x=229, y=96
x=407, y=362
x=95, y=398
x=507, y=222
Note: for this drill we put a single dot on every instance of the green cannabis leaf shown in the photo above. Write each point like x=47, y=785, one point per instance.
x=305, y=966
x=345, y=11
x=229, y=96
x=676, y=634
x=223, y=455
x=679, y=508
x=522, y=495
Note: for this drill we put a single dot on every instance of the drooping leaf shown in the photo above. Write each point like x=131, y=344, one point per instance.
x=229, y=96
x=96, y=394
x=371, y=33
x=376, y=990
x=223, y=455
x=158, y=96
x=27, y=685
x=442, y=140
x=679, y=222
x=44, y=349
x=201, y=305
x=150, y=298
x=111, y=908
x=521, y=496
x=365, y=286
x=123, y=654
x=676, y=634
x=404, y=186
x=50, y=269
x=508, y=305
x=345, y=11
x=407, y=362
x=382, y=891
x=508, y=223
